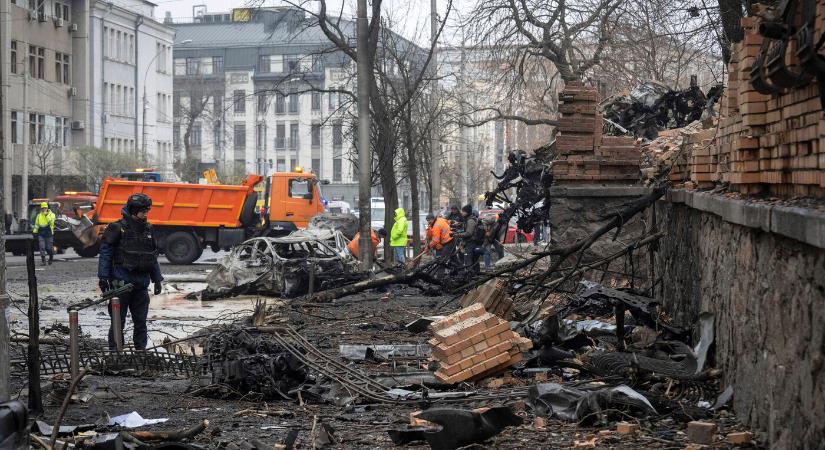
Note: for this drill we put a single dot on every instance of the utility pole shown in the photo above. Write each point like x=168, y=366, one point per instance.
x=5, y=153
x=435, y=151
x=24, y=185
x=364, y=67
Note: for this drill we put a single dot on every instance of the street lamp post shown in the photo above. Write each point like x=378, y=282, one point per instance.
x=145, y=102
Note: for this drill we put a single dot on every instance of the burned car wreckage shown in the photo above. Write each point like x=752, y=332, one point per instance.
x=302, y=262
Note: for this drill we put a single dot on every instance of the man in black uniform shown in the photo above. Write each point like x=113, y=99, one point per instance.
x=128, y=254
x=473, y=237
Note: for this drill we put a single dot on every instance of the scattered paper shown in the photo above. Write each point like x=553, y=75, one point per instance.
x=134, y=420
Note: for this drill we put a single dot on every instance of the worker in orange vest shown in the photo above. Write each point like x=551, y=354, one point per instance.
x=441, y=236
x=376, y=238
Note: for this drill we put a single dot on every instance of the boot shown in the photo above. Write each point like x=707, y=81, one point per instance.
x=51, y=258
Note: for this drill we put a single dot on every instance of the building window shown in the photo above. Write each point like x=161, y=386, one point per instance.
x=263, y=64
x=280, y=136
x=217, y=138
x=281, y=165
x=61, y=67
x=240, y=136
x=316, y=166
x=37, y=61
x=293, y=136
x=39, y=6
x=240, y=100
x=13, y=67
x=280, y=108
x=195, y=139
x=217, y=64
x=337, y=135
x=316, y=101
x=292, y=63
x=294, y=102
x=61, y=11
x=118, y=46
x=15, y=136
x=193, y=66
x=316, y=135
x=331, y=100
x=262, y=98
x=336, y=169
x=37, y=125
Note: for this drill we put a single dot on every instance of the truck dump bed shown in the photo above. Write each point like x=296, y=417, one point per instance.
x=180, y=204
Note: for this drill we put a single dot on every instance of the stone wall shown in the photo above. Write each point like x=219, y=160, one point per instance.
x=767, y=292
x=577, y=211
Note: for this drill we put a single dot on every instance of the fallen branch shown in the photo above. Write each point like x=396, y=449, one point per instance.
x=65, y=406
x=175, y=435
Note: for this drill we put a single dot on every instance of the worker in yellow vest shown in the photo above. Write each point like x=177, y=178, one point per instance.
x=44, y=230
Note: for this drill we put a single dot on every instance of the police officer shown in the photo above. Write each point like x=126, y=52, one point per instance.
x=128, y=254
x=472, y=235
x=44, y=230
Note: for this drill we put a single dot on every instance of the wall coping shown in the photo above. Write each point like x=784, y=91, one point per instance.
x=801, y=224
x=598, y=191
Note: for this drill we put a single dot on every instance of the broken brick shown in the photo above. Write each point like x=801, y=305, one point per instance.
x=740, y=438
x=625, y=428
x=539, y=423
x=700, y=432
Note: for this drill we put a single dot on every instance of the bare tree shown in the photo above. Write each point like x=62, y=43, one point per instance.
x=44, y=161
x=200, y=101
x=95, y=164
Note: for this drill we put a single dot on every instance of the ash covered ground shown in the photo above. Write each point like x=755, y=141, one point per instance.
x=370, y=318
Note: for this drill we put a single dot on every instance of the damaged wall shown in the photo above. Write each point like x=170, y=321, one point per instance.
x=767, y=293
x=577, y=211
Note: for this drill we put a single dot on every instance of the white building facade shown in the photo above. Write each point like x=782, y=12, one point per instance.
x=131, y=81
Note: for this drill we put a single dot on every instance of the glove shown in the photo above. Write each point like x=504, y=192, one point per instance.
x=104, y=284
x=158, y=288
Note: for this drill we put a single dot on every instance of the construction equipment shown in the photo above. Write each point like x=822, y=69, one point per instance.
x=187, y=218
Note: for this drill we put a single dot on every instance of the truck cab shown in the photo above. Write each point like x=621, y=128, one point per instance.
x=142, y=174
x=293, y=199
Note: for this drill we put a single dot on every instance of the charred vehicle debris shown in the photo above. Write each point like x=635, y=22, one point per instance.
x=651, y=107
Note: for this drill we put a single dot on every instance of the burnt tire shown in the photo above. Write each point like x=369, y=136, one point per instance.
x=88, y=252
x=182, y=248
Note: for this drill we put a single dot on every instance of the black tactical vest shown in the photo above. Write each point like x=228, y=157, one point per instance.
x=136, y=250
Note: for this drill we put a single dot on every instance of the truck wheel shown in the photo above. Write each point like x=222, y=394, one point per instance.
x=182, y=248
x=88, y=252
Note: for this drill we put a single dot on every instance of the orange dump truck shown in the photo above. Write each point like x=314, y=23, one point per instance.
x=190, y=217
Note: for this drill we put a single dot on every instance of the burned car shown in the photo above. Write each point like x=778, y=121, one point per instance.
x=304, y=261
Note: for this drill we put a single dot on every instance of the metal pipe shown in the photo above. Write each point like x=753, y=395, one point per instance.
x=74, y=355
x=117, y=325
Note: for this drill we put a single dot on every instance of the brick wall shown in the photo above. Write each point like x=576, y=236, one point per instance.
x=583, y=155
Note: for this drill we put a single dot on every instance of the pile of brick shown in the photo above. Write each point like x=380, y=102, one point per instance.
x=471, y=344
x=771, y=143
x=583, y=155
x=493, y=296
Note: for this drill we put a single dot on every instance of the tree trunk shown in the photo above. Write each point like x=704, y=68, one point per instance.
x=730, y=12
x=412, y=173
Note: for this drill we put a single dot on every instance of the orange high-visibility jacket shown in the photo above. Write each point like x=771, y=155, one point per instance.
x=441, y=233
x=353, y=244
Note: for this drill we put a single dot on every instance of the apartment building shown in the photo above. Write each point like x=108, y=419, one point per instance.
x=237, y=110
x=74, y=74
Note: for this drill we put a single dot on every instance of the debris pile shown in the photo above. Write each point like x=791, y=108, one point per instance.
x=248, y=362
x=652, y=107
x=493, y=296
x=689, y=152
x=472, y=343
x=583, y=155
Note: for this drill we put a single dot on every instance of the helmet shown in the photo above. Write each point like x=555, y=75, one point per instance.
x=44, y=205
x=137, y=203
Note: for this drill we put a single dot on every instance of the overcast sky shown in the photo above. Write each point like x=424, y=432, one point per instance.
x=412, y=16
